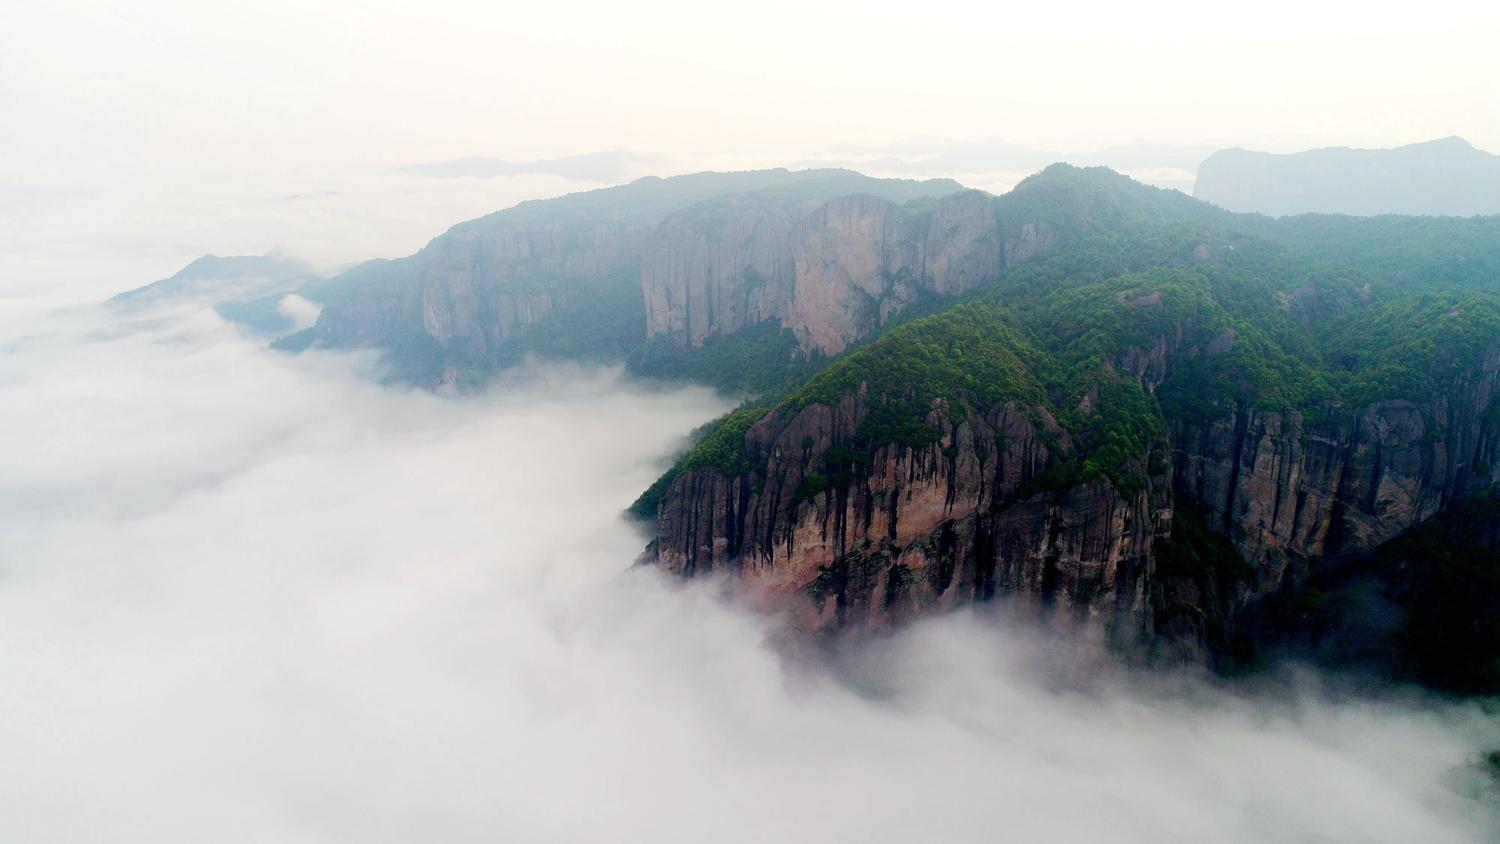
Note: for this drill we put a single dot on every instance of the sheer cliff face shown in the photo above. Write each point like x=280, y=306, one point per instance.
x=923, y=529
x=716, y=273
x=916, y=529
x=701, y=255
x=831, y=255
x=471, y=289
x=832, y=272
x=1287, y=491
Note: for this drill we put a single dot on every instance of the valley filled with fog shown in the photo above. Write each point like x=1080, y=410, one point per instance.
x=832, y=422
x=248, y=596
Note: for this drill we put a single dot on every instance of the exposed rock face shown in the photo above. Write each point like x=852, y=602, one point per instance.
x=718, y=273
x=829, y=254
x=931, y=528
x=847, y=256
x=832, y=272
x=1030, y=241
x=705, y=254
x=1286, y=491
x=474, y=287
x=918, y=529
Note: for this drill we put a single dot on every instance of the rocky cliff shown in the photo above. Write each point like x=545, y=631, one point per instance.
x=1287, y=490
x=918, y=529
x=851, y=531
x=831, y=271
x=914, y=528
x=469, y=292
x=830, y=255
x=600, y=272
x=834, y=271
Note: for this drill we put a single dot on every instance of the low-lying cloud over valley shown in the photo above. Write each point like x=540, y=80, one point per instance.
x=246, y=596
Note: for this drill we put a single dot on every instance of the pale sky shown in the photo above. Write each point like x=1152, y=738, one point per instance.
x=156, y=102
x=111, y=84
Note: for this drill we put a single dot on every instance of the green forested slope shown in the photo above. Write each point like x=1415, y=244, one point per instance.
x=1312, y=311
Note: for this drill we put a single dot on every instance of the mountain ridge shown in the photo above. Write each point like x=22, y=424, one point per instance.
x=1119, y=402
x=1447, y=176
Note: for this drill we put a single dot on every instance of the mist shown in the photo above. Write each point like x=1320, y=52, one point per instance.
x=246, y=596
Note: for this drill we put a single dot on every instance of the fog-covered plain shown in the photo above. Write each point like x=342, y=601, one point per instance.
x=247, y=597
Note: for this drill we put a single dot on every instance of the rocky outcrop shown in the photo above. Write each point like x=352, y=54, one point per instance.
x=719, y=271
x=913, y=530
x=849, y=256
x=831, y=255
x=1288, y=491
x=916, y=529
x=701, y=255
x=469, y=291
x=832, y=272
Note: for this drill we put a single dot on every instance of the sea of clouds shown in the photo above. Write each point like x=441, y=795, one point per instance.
x=251, y=597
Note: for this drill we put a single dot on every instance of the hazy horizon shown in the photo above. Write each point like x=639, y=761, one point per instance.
x=164, y=131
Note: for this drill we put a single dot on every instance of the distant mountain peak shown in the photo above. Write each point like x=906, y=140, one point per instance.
x=226, y=277
x=1451, y=140
x=1441, y=177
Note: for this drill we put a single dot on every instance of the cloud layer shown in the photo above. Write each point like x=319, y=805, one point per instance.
x=250, y=597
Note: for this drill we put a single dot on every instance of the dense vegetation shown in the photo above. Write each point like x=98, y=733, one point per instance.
x=1310, y=314
x=763, y=360
x=720, y=445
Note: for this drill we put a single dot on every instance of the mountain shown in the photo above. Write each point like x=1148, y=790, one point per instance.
x=1171, y=423
x=224, y=278
x=246, y=289
x=930, y=156
x=1442, y=177
x=998, y=161
x=566, y=276
x=1201, y=431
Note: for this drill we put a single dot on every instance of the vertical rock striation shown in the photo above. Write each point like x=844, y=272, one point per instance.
x=831, y=271
x=469, y=291
x=915, y=529
x=701, y=255
x=911, y=530
x=1288, y=491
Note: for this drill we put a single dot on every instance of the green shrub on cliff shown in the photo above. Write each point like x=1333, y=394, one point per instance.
x=762, y=360
x=967, y=356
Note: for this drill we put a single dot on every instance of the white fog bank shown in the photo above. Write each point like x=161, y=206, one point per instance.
x=247, y=597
